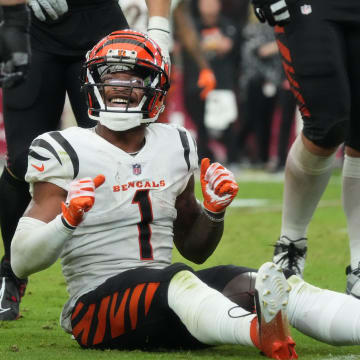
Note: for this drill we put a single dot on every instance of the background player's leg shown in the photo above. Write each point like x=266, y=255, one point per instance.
x=76, y=97
x=306, y=178
x=42, y=99
x=351, y=168
x=320, y=84
x=15, y=194
x=351, y=204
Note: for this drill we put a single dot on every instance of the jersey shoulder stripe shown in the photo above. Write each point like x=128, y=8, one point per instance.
x=186, y=146
x=37, y=156
x=47, y=146
x=69, y=150
x=187, y=143
x=51, y=158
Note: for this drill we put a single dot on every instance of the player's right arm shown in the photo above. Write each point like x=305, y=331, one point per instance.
x=40, y=234
x=58, y=204
x=49, y=222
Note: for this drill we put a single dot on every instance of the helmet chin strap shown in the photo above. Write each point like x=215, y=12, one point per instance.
x=122, y=121
x=119, y=122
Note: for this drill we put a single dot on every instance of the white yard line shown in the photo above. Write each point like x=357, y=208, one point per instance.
x=342, y=357
x=273, y=205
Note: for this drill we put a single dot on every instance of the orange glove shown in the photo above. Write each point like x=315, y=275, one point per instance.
x=207, y=82
x=218, y=186
x=80, y=199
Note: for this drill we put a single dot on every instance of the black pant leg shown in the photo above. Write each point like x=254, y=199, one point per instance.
x=30, y=109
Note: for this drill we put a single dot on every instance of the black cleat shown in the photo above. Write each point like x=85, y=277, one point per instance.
x=12, y=290
x=353, y=281
x=290, y=255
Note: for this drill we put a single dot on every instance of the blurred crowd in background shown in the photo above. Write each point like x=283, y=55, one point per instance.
x=250, y=119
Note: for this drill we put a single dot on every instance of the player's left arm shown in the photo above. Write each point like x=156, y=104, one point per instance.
x=198, y=228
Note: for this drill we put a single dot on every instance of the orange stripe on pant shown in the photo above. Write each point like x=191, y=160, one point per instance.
x=79, y=306
x=101, y=327
x=279, y=29
x=289, y=70
x=117, y=321
x=290, y=73
x=134, y=303
x=107, y=312
x=284, y=51
x=84, y=325
x=149, y=295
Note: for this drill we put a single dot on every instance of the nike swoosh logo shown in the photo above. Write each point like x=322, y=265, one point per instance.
x=41, y=169
x=2, y=294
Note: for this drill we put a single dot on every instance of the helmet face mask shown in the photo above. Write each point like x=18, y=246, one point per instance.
x=125, y=79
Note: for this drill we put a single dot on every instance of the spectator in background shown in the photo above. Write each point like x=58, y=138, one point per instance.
x=261, y=79
x=220, y=42
x=182, y=18
x=237, y=11
x=287, y=109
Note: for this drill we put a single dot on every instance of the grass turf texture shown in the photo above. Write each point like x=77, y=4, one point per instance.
x=250, y=233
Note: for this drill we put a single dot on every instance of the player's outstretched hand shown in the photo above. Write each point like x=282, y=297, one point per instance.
x=80, y=199
x=275, y=12
x=218, y=186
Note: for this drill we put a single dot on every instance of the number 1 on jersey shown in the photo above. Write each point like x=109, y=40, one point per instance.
x=142, y=198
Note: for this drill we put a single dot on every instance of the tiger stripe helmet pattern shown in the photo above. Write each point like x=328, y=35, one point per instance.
x=126, y=50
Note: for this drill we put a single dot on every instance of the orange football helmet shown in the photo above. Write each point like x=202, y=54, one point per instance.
x=126, y=51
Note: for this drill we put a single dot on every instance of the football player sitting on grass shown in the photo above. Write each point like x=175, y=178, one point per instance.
x=111, y=201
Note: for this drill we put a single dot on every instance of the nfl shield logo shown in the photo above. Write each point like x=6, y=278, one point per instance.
x=136, y=169
x=306, y=9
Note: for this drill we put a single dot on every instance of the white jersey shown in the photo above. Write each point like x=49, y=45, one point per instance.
x=131, y=222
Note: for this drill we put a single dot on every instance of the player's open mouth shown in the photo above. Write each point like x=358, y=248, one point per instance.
x=122, y=102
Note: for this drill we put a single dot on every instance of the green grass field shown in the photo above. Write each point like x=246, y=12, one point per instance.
x=250, y=232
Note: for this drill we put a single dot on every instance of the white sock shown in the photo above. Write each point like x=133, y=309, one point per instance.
x=205, y=312
x=306, y=178
x=325, y=315
x=351, y=204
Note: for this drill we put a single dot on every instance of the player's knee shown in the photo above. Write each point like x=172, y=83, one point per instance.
x=330, y=137
x=240, y=290
x=185, y=279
